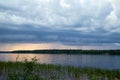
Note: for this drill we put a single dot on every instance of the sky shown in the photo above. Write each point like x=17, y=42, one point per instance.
x=59, y=24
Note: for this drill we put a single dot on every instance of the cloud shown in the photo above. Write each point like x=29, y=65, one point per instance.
x=65, y=37
x=57, y=13
x=68, y=22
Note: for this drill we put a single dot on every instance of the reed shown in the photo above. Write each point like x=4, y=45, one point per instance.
x=31, y=70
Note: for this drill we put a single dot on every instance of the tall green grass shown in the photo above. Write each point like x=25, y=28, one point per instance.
x=31, y=70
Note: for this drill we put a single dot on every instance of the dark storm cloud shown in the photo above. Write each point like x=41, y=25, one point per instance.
x=66, y=37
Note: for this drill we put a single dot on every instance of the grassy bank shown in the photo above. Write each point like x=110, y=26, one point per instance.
x=31, y=70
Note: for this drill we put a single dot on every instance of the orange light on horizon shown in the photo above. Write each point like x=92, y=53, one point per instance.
x=30, y=46
x=27, y=46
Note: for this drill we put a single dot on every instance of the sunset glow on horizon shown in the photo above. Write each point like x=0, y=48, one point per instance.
x=26, y=46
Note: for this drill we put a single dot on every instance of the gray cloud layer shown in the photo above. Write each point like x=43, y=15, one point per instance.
x=70, y=22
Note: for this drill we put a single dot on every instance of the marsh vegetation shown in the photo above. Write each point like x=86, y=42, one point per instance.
x=31, y=70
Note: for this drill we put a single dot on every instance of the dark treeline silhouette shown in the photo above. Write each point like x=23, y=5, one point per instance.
x=5, y=51
x=70, y=51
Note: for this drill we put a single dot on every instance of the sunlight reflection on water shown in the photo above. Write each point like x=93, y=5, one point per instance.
x=98, y=61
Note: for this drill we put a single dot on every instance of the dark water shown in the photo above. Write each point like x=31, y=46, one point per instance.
x=98, y=61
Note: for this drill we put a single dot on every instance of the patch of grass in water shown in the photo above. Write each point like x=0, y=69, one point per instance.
x=31, y=70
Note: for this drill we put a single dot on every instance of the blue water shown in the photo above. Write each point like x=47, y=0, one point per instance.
x=96, y=61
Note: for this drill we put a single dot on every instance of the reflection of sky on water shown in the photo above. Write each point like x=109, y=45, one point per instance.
x=98, y=61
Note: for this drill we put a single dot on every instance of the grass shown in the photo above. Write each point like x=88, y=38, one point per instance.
x=31, y=70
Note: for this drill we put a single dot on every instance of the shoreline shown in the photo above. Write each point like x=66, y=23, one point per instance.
x=66, y=51
x=59, y=72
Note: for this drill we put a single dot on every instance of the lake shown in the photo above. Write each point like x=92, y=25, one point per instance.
x=96, y=61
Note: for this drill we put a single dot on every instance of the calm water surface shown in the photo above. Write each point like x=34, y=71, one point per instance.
x=98, y=61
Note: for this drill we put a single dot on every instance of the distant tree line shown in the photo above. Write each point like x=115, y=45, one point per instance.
x=70, y=51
